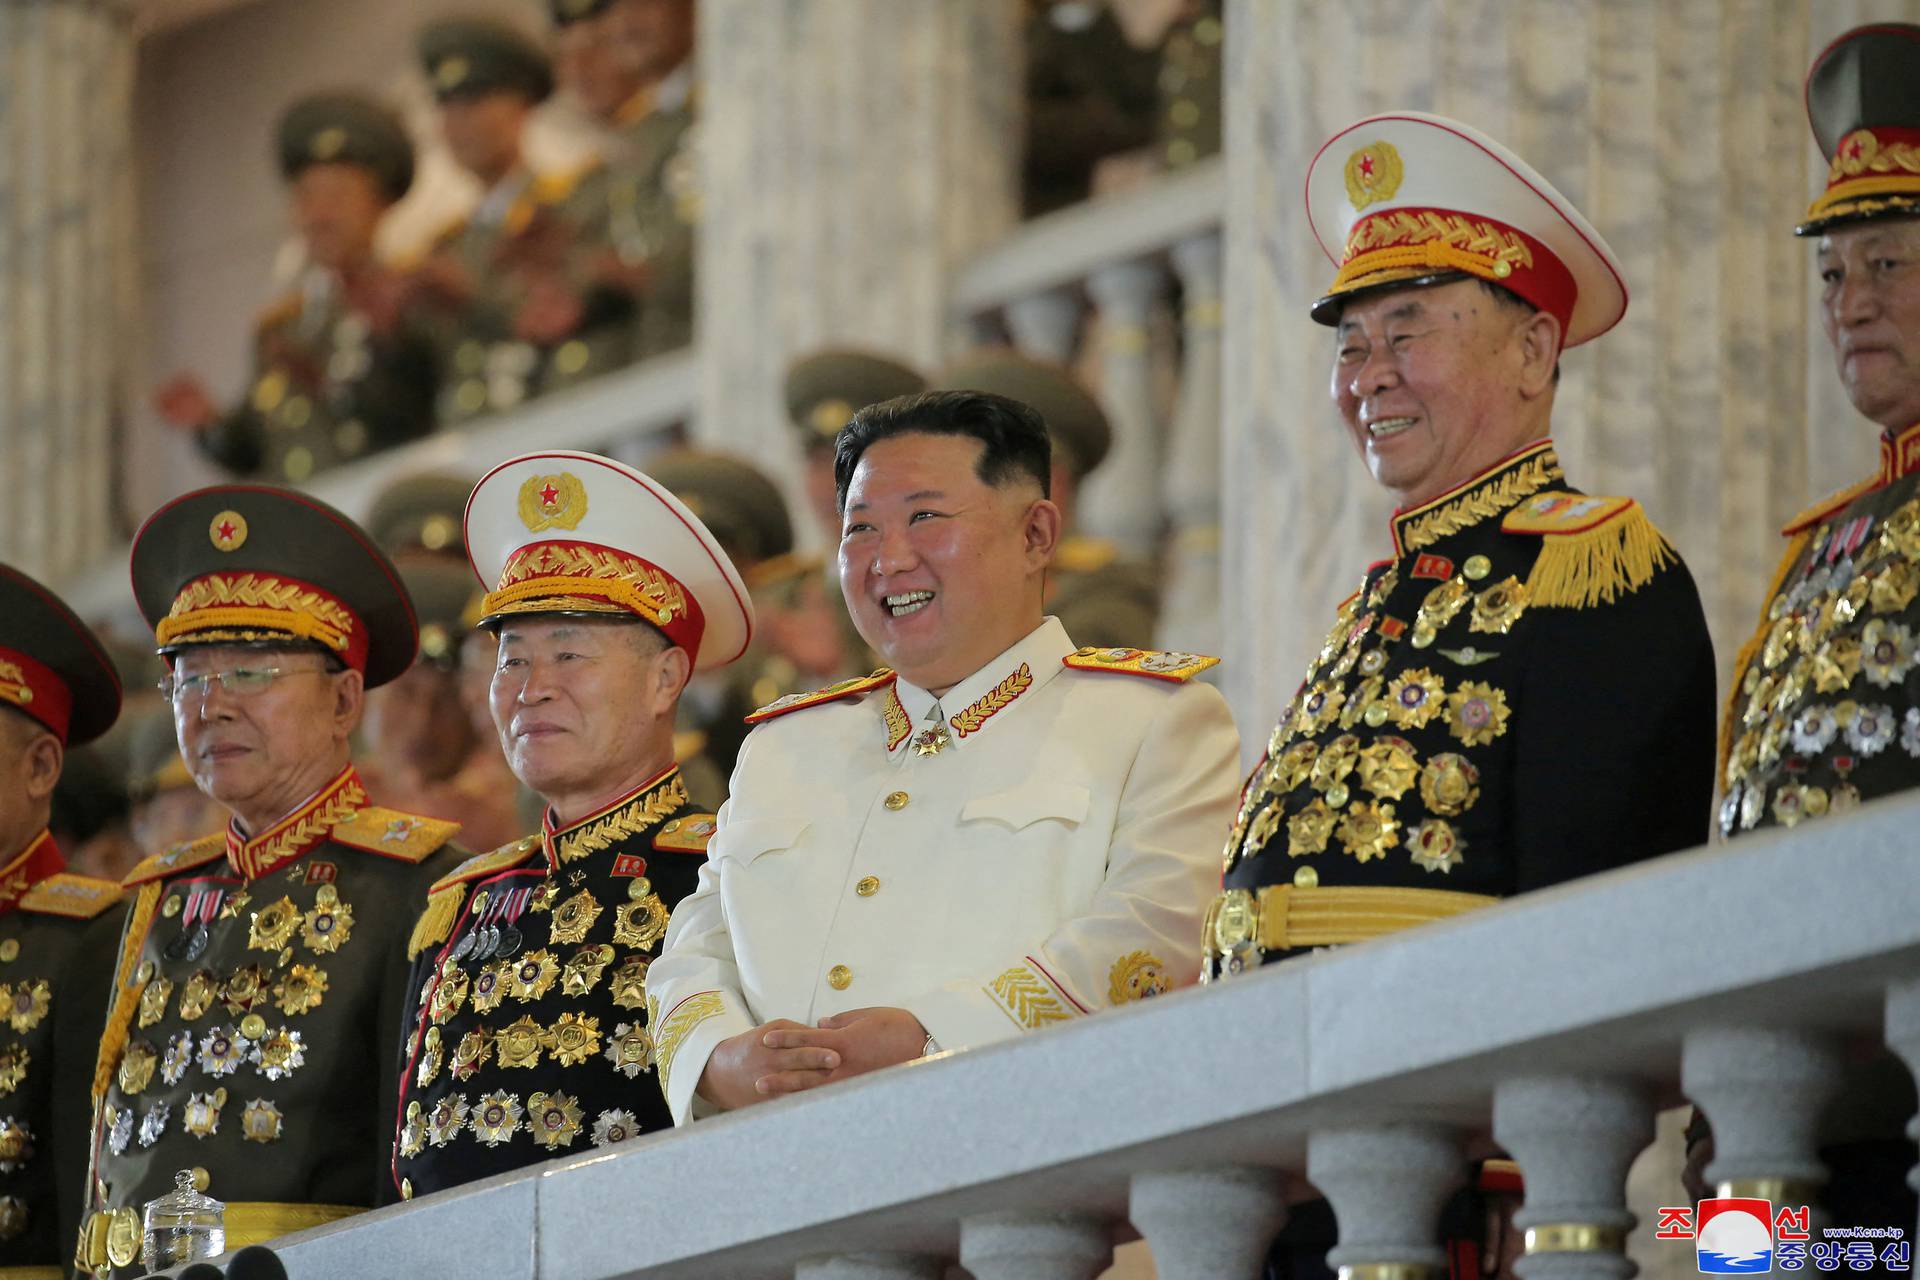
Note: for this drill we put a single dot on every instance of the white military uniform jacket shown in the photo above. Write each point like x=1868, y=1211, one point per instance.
x=1053, y=856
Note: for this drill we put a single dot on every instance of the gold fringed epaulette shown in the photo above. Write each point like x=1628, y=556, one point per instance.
x=688, y=833
x=1176, y=668
x=406, y=837
x=1593, y=550
x=449, y=892
x=182, y=857
x=76, y=897
x=832, y=693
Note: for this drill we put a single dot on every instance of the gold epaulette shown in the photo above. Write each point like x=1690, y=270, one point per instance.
x=1828, y=505
x=449, y=892
x=832, y=693
x=181, y=857
x=1593, y=549
x=1084, y=555
x=75, y=896
x=1175, y=667
x=687, y=833
x=406, y=837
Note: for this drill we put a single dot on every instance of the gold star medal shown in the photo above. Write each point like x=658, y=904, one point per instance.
x=518, y=1045
x=574, y=917
x=641, y=923
x=136, y=1067
x=260, y=1121
x=629, y=989
x=554, y=1119
x=574, y=1038
x=631, y=1049
x=472, y=1053
x=583, y=969
x=273, y=926
x=496, y=1118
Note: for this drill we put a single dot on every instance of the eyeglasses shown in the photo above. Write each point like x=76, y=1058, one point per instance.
x=242, y=682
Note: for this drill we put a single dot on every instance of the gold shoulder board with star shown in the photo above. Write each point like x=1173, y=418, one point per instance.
x=181, y=857
x=407, y=837
x=832, y=693
x=1593, y=549
x=687, y=833
x=449, y=892
x=1177, y=668
x=75, y=896
x=1828, y=505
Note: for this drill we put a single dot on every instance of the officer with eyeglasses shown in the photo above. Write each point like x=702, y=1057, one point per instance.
x=261, y=972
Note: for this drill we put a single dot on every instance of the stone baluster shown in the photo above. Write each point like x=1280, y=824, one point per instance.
x=1574, y=1138
x=68, y=271
x=1035, y=1246
x=1190, y=603
x=1903, y=1036
x=1122, y=498
x=1046, y=325
x=1763, y=1091
x=870, y=1266
x=1387, y=1185
x=1203, y=1224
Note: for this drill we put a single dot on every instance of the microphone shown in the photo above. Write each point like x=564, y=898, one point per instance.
x=255, y=1262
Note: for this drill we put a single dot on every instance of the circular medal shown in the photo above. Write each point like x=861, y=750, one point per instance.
x=509, y=940
x=190, y=945
x=463, y=948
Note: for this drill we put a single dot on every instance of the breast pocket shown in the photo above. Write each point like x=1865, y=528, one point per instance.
x=1040, y=800
x=753, y=838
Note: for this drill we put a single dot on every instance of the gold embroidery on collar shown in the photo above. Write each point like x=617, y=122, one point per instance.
x=993, y=701
x=1482, y=502
x=256, y=859
x=898, y=725
x=629, y=819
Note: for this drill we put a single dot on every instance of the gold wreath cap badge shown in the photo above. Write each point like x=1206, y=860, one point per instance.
x=1373, y=174
x=228, y=531
x=553, y=502
x=327, y=143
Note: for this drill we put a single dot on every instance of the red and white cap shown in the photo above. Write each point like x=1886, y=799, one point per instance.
x=562, y=532
x=1407, y=198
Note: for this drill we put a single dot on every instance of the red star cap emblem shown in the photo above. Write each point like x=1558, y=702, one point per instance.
x=550, y=494
x=1366, y=165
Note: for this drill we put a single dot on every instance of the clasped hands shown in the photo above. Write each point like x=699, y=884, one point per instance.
x=782, y=1057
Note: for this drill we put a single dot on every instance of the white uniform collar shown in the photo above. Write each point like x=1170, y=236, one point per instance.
x=995, y=688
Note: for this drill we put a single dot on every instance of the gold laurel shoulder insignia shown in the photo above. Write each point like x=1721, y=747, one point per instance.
x=1177, y=668
x=407, y=837
x=818, y=697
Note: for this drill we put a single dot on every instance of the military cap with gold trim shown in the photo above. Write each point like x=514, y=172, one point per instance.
x=567, y=12
x=578, y=534
x=246, y=564
x=733, y=498
x=1863, y=100
x=421, y=512
x=52, y=668
x=447, y=602
x=1072, y=414
x=467, y=56
x=346, y=128
x=1407, y=198
x=826, y=388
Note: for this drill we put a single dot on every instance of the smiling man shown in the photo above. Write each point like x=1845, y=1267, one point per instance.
x=261, y=971
x=531, y=1035
x=998, y=833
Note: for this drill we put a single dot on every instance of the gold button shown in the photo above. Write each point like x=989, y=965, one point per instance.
x=146, y=972
x=896, y=800
x=867, y=886
x=253, y=1026
x=1306, y=878
x=9, y=951
x=1477, y=567
x=406, y=1188
x=839, y=977
x=201, y=1180
x=171, y=907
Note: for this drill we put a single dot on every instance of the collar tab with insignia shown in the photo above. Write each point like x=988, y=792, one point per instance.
x=1491, y=493
x=301, y=831
x=632, y=814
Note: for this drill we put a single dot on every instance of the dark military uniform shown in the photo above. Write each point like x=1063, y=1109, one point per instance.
x=52, y=983
x=1188, y=125
x=531, y=1039
x=259, y=982
x=341, y=369
x=1103, y=597
x=1090, y=94
x=646, y=201
x=1824, y=709
x=1490, y=714
x=525, y=246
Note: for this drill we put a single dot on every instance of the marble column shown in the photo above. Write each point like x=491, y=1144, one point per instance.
x=1574, y=1138
x=1668, y=125
x=1206, y=1223
x=66, y=275
x=1122, y=498
x=1763, y=1090
x=869, y=1266
x=1035, y=1246
x=1190, y=604
x=1387, y=1184
x=852, y=154
x=1903, y=1037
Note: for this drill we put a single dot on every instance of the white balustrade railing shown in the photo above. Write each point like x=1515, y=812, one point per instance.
x=1118, y=260
x=1553, y=1023
x=623, y=413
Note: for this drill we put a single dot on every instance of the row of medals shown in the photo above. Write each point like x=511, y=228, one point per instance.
x=1826, y=630
x=23, y=1005
x=554, y=1119
x=274, y=1052
x=1388, y=766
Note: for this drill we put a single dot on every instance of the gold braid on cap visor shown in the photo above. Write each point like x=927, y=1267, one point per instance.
x=571, y=576
x=1404, y=243
x=222, y=606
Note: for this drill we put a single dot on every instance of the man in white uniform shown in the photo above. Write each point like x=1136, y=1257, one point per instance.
x=997, y=833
